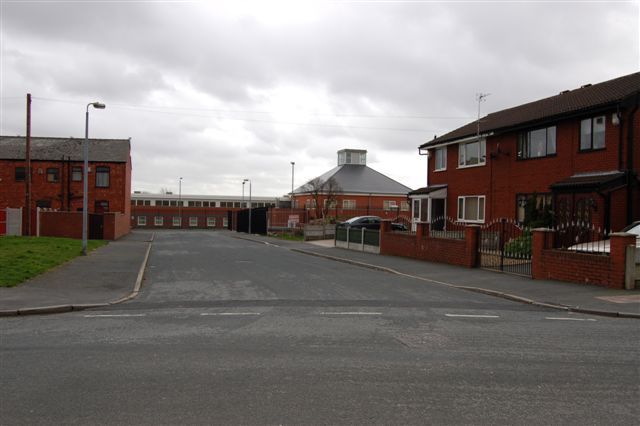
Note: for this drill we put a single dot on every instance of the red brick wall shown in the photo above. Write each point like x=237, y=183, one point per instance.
x=116, y=225
x=168, y=213
x=584, y=268
x=365, y=205
x=61, y=224
x=3, y=222
x=504, y=175
x=443, y=250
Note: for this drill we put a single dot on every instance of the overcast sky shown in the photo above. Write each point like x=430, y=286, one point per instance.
x=220, y=91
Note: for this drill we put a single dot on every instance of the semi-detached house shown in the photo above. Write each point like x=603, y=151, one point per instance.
x=574, y=156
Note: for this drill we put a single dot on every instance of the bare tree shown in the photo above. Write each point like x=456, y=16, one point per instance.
x=323, y=189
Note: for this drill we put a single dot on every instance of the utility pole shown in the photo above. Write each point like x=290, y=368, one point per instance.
x=28, y=166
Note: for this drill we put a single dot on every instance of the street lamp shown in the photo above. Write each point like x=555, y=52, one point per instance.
x=248, y=180
x=180, y=201
x=85, y=176
x=293, y=164
x=242, y=205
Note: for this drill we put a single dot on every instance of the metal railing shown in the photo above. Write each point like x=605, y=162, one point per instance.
x=446, y=227
x=581, y=237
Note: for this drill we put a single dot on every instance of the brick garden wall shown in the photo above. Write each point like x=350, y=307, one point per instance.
x=423, y=247
x=584, y=268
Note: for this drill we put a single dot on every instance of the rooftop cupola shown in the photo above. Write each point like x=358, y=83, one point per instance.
x=356, y=157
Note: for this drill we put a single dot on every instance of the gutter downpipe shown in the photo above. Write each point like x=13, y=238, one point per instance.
x=630, y=170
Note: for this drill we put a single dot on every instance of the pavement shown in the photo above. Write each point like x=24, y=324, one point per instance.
x=114, y=273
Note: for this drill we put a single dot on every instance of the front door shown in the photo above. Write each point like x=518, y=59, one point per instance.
x=438, y=218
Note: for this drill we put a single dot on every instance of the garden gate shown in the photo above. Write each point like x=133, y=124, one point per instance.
x=505, y=246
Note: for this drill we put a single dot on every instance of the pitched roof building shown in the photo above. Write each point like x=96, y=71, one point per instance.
x=576, y=155
x=361, y=189
x=57, y=172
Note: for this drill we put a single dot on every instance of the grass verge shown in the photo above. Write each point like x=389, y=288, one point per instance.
x=22, y=258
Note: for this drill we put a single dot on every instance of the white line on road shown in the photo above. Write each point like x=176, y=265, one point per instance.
x=114, y=315
x=210, y=314
x=350, y=313
x=570, y=319
x=471, y=316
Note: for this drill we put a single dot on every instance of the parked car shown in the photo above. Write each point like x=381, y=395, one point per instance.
x=604, y=246
x=370, y=222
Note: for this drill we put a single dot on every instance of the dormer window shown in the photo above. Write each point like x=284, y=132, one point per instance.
x=352, y=156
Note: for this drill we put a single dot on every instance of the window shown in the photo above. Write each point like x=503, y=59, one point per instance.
x=330, y=204
x=101, y=206
x=165, y=203
x=389, y=204
x=225, y=222
x=147, y=202
x=173, y=203
x=416, y=209
x=404, y=206
x=158, y=221
x=592, y=133
x=348, y=204
x=142, y=221
x=177, y=221
x=441, y=159
x=537, y=143
x=211, y=222
x=193, y=221
x=102, y=177
x=472, y=153
x=471, y=209
x=20, y=174
x=76, y=174
x=53, y=175
x=205, y=204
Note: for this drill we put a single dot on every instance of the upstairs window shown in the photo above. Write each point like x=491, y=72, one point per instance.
x=472, y=153
x=441, y=159
x=102, y=177
x=537, y=143
x=53, y=174
x=21, y=174
x=76, y=174
x=592, y=133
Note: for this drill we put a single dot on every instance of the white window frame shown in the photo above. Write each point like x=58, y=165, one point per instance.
x=158, y=220
x=404, y=206
x=443, y=157
x=177, y=221
x=142, y=221
x=211, y=221
x=348, y=204
x=225, y=222
x=389, y=205
x=482, y=153
x=192, y=222
x=480, y=213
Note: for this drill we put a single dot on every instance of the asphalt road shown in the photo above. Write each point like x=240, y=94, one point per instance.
x=228, y=331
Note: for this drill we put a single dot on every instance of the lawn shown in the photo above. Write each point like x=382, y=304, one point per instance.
x=22, y=258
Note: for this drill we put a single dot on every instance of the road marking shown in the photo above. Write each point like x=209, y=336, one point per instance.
x=570, y=319
x=210, y=314
x=350, y=313
x=114, y=315
x=471, y=316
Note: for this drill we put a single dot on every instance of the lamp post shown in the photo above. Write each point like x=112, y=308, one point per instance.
x=180, y=200
x=242, y=205
x=249, y=180
x=293, y=165
x=85, y=176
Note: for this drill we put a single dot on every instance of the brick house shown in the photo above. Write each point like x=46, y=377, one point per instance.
x=570, y=157
x=57, y=173
x=361, y=190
